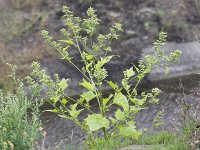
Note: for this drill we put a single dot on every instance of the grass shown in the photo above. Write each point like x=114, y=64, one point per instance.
x=112, y=143
x=162, y=137
x=164, y=140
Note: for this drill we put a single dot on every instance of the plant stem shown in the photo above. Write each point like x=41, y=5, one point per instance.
x=80, y=104
x=117, y=124
x=105, y=133
x=138, y=82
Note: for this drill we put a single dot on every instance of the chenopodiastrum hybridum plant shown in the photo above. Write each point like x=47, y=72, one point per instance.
x=94, y=51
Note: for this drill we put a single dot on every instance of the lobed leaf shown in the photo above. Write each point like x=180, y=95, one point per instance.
x=114, y=86
x=106, y=100
x=70, y=42
x=102, y=62
x=88, y=96
x=121, y=100
x=129, y=72
x=55, y=99
x=74, y=112
x=120, y=115
x=96, y=122
x=87, y=85
x=64, y=101
x=63, y=84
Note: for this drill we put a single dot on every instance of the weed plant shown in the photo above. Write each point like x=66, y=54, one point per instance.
x=190, y=120
x=95, y=52
x=19, y=118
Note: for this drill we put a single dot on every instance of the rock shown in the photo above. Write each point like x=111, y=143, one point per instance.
x=187, y=67
x=146, y=13
x=130, y=32
x=143, y=147
x=114, y=14
x=189, y=63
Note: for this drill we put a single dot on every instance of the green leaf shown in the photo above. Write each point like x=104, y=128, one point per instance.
x=106, y=100
x=88, y=96
x=80, y=100
x=129, y=131
x=140, y=76
x=112, y=85
x=134, y=109
x=121, y=100
x=166, y=71
x=70, y=42
x=108, y=49
x=120, y=115
x=88, y=66
x=87, y=85
x=102, y=62
x=130, y=72
x=131, y=123
x=63, y=84
x=73, y=112
x=132, y=99
x=113, y=120
x=96, y=122
x=142, y=101
x=65, y=116
x=136, y=68
x=55, y=98
x=154, y=101
x=89, y=57
x=65, y=48
x=54, y=111
x=64, y=101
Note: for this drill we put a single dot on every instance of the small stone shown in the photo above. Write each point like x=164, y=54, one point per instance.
x=197, y=142
x=114, y=14
x=130, y=32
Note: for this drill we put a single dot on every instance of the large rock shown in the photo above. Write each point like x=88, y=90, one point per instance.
x=187, y=67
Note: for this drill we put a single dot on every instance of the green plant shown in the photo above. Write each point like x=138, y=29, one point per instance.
x=189, y=120
x=94, y=53
x=163, y=140
x=157, y=122
x=111, y=143
x=19, y=123
x=162, y=137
